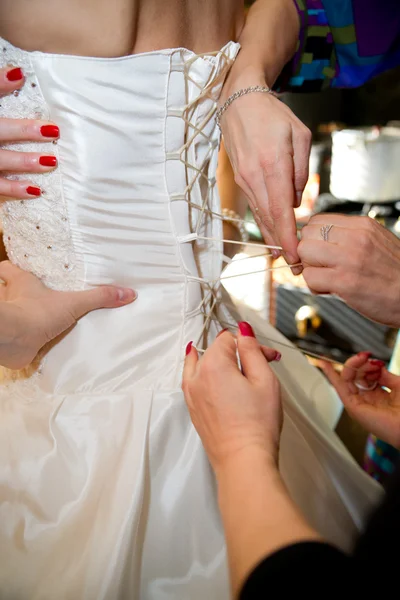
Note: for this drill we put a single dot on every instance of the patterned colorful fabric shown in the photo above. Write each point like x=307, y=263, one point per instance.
x=380, y=459
x=343, y=44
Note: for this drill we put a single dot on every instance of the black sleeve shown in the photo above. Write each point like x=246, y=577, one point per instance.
x=312, y=567
x=378, y=549
x=306, y=568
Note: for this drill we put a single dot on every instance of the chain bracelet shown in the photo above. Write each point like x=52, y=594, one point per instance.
x=264, y=89
x=232, y=217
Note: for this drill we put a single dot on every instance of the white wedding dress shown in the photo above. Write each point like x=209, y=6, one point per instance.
x=105, y=490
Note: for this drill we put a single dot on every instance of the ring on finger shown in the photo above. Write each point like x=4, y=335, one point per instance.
x=366, y=388
x=324, y=230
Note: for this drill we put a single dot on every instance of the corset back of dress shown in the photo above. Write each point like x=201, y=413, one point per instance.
x=131, y=203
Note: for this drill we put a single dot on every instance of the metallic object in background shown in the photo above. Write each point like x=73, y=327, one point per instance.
x=307, y=320
x=328, y=326
x=365, y=164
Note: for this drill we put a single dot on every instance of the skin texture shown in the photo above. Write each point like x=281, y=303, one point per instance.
x=360, y=263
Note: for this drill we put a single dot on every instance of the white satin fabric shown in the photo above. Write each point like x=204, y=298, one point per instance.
x=105, y=492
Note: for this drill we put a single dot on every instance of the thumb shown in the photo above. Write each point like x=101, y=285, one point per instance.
x=191, y=360
x=389, y=380
x=107, y=296
x=254, y=365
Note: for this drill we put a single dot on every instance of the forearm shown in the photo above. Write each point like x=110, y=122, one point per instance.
x=268, y=41
x=258, y=515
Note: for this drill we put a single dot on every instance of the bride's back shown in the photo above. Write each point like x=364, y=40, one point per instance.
x=120, y=27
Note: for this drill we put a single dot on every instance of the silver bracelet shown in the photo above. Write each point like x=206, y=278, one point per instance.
x=264, y=89
x=232, y=217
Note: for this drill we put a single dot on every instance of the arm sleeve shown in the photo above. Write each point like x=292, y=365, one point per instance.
x=307, y=569
x=342, y=44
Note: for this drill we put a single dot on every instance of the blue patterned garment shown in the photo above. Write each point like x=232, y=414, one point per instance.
x=343, y=44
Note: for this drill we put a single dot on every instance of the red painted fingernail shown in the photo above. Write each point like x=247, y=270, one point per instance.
x=48, y=161
x=366, y=354
x=50, y=131
x=188, y=348
x=221, y=332
x=32, y=190
x=278, y=357
x=376, y=363
x=246, y=329
x=15, y=74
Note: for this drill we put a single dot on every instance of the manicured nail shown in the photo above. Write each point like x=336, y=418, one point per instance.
x=48, y=161
x=291, y=260
x=278, y=357
x=297, y=270
x=366, y=354
x=15, y=74
x=32, y=190
x=299, y=197
x=188, y=348
x=221, y=332
x=275, y=253
x=376, y=363
x=126, y=295
x=246, y=329
x=51, y=131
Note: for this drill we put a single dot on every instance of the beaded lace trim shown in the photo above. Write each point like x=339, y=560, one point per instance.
x=36, y=232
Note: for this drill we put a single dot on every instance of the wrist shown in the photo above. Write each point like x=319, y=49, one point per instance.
x=268, y=42
x=241, y=78
x=252, y=459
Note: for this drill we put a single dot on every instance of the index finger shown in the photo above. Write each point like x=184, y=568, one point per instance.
x=32, y=130
x=279, y=182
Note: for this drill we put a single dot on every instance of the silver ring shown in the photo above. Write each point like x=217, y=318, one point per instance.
x=325, y=229
x=365, y=388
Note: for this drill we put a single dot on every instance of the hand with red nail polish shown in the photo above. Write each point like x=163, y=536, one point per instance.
x=360, y=387
x=31, y=314
x=234, y=410
x=22, y=130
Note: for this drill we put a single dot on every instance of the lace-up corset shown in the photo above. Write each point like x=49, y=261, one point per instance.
x=134, y=200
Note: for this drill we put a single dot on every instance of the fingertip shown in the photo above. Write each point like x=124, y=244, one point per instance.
x=14, y=75
x=126, y=295
x=246, y=329
x=11, y=79
x=271, y=354
x=191, y=354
